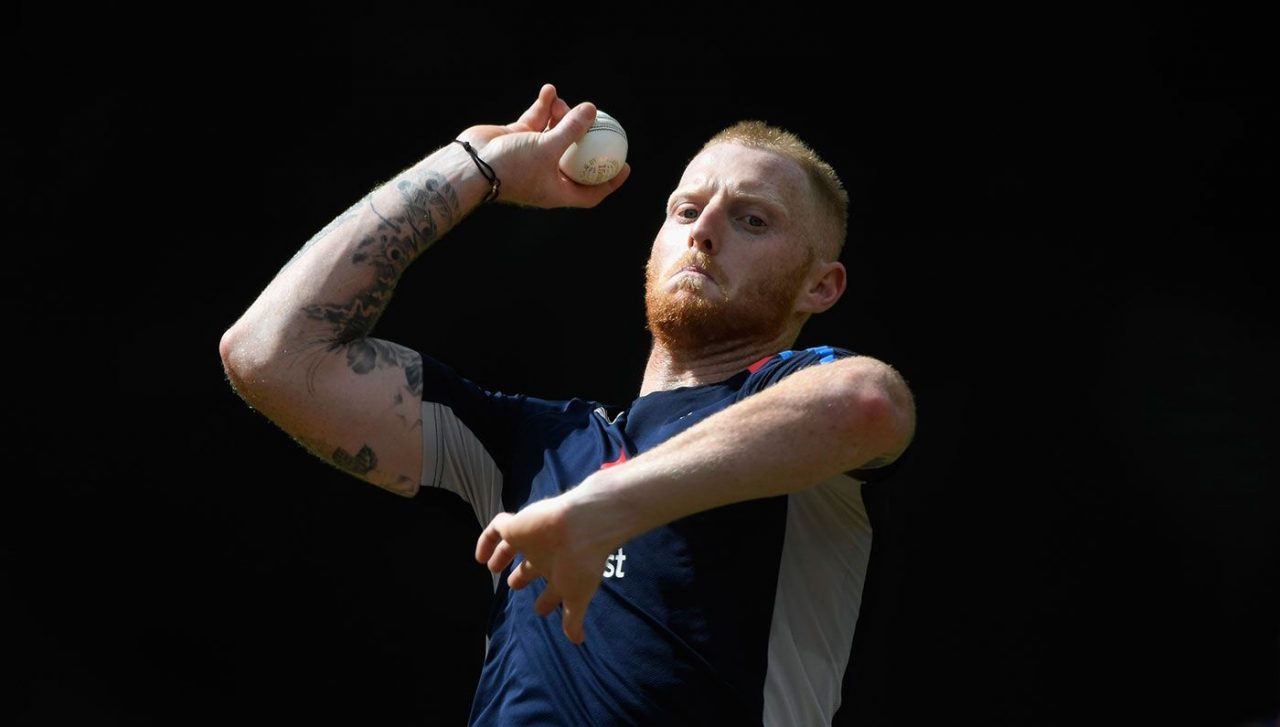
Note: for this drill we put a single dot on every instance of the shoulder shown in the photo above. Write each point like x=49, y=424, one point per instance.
x=774, y=368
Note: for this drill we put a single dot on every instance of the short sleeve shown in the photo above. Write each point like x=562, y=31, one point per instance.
x=770, y=371
x=467, y=436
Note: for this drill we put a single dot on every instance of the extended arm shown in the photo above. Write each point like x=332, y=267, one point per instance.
x=850, y=414
x=301, y=353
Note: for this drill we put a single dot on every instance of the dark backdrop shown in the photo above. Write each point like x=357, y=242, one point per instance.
x=1062, y=222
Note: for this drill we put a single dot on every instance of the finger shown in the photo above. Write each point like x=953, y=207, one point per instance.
x=593, y=194
x=573, y=126
x=501, y=557
x=547, y=601
x=538, y=115
x=490, y=538
x=620, y=177
x=558, y=109
x=571, y=619
x=522, y=575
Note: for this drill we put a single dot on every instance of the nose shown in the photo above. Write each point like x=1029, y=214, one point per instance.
x=704, y=244
x=704, y=233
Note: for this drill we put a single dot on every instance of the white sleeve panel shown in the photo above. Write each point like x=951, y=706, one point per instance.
x=825, y=554
x=454, y=458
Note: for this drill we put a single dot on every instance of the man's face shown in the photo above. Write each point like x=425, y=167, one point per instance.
x=733, y=250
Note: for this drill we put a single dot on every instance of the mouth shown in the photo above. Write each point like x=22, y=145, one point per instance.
x=696, y=270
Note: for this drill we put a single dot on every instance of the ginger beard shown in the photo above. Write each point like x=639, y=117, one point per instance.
x=688, y=315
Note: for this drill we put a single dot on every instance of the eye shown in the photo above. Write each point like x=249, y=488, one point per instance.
x=687, y=212
x=754, y=221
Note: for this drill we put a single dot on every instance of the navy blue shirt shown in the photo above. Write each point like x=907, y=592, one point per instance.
x=684, y=625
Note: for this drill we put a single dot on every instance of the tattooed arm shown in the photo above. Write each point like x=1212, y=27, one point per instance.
x=302, y=353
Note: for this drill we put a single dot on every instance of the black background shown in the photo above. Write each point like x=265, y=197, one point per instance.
x=1061, y=234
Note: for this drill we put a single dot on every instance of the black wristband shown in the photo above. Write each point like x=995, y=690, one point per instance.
x=494, y=183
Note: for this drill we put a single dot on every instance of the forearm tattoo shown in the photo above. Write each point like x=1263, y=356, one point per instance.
x=428, y=207
x=350, y=212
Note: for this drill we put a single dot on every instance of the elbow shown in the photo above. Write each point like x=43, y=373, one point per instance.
x=228, y=350
x=878, y=412
x=238, y=361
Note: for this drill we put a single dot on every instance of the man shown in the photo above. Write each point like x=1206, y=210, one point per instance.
x=697, y=557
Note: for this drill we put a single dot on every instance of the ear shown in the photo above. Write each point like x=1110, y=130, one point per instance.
x=823, y=287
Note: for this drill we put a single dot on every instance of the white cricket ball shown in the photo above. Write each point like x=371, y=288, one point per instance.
x=599, y=155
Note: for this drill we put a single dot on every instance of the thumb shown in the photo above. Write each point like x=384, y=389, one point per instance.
x=573, y=126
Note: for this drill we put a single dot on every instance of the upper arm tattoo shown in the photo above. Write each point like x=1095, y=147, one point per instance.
x=367, y=354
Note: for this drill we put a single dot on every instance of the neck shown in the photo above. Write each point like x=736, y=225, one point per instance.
x=671, y=367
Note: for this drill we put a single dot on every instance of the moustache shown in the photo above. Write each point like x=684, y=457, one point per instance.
x=698, y=259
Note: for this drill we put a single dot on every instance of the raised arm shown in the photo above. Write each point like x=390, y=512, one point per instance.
x=302, y=353
x=855, y=413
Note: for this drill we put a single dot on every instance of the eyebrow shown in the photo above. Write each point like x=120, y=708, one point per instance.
x=769, y=201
